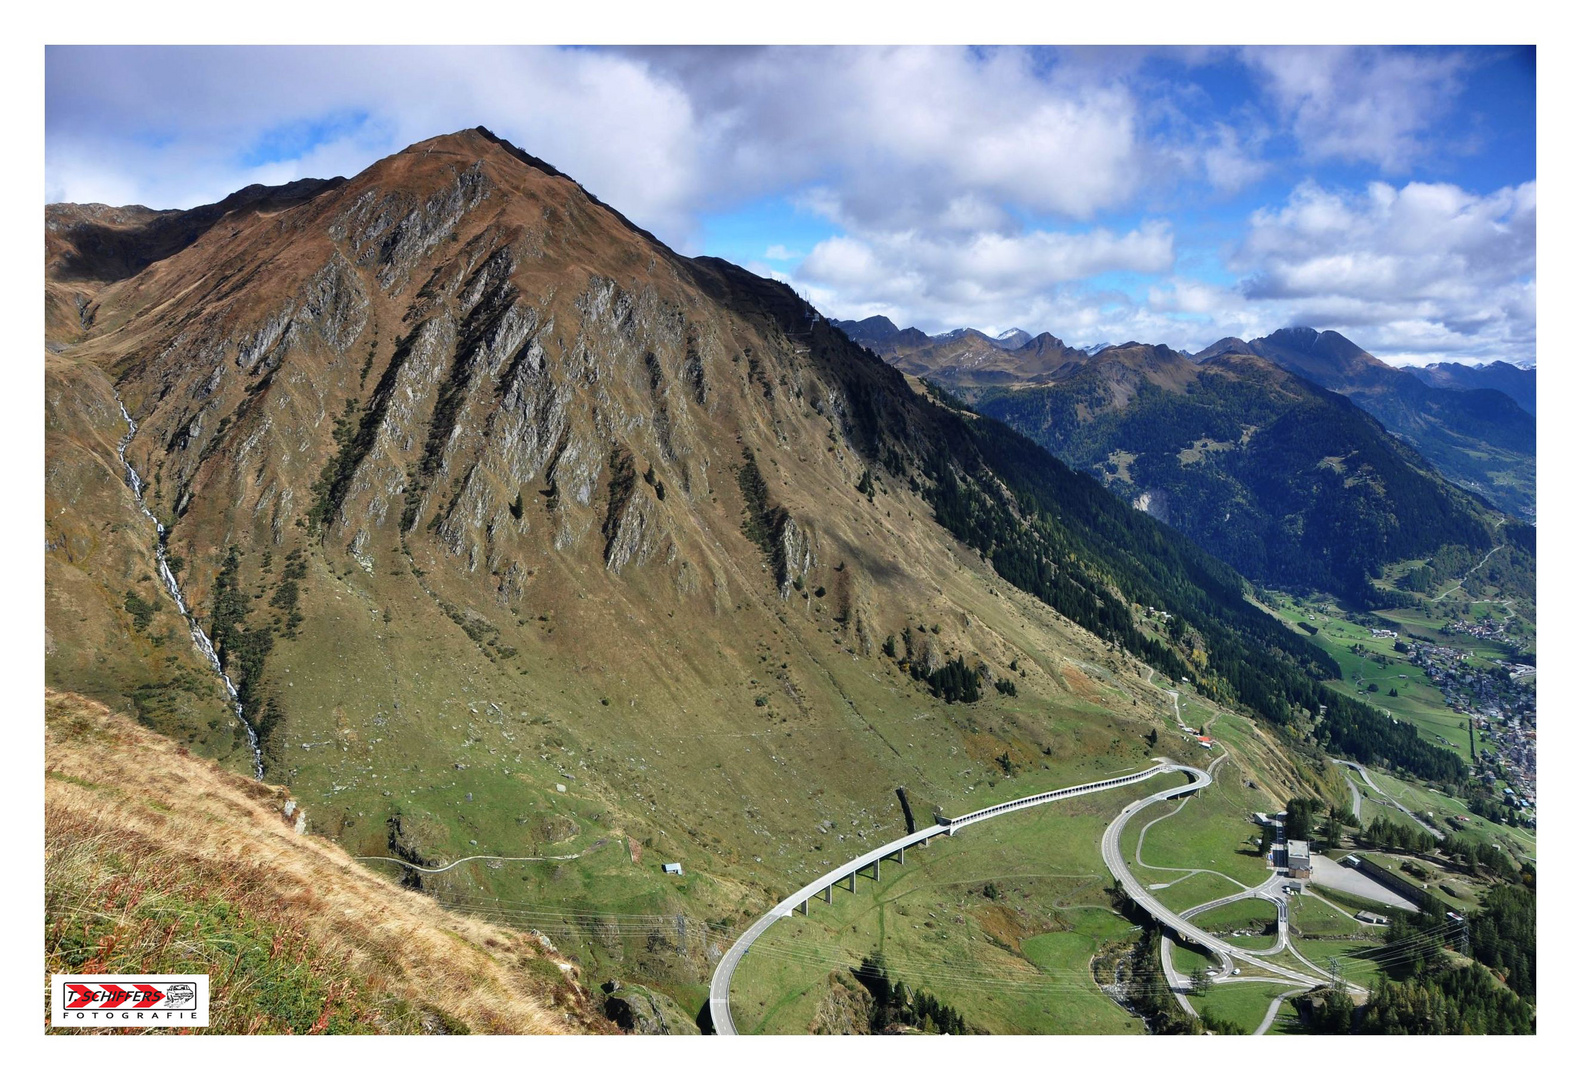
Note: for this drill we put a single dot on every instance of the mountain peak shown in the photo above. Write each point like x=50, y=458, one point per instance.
x=1222, y=346
x=478, y=142
x=1326, y=344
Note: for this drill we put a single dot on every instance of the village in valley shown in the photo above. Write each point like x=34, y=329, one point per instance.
x=1500, y=703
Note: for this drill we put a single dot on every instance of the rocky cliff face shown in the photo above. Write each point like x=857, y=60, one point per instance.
x=479, y=392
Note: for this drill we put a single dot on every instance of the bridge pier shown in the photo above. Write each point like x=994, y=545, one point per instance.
x=804, y=907
x=877, y=864
x=853, y=881
x=828, y=894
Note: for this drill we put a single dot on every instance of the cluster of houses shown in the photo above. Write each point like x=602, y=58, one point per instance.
x=1501, y=707
x=1484, y=629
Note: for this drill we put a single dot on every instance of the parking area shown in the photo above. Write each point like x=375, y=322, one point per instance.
x=1331, y=875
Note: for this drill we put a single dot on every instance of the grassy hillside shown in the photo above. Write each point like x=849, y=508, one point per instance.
x=156, y=860
x=1000, y=924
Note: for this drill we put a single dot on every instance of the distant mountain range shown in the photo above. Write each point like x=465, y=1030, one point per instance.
x=1520, y=383
x=1479, y=438
x=1292, y=485
x=1476, y=425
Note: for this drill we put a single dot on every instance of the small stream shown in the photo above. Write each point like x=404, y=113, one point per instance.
x=199, y=638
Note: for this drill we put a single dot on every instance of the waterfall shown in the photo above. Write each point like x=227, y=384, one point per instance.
x=199, y=638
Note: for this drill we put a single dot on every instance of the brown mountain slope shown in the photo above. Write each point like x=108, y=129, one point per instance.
x=89, y=245
x=159, y=861
x=546, y=542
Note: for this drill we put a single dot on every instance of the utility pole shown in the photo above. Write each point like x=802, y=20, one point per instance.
x=1335, y=980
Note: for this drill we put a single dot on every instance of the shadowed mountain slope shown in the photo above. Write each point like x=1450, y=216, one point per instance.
x=1520, y=384
x=1294, y=486
x=1478, y=438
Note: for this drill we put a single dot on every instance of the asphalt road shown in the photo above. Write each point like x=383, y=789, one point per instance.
x=1226, y=953
x=1355, y=796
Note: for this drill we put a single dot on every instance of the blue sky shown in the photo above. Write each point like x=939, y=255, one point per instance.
x=1169, y=195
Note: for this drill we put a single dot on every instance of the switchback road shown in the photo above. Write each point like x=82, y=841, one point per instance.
x=1390, y=799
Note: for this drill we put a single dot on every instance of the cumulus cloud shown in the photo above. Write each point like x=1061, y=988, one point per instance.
x=183, y=125
x=1361, y=104
x=895, y=137
x=898, y=136
x=1423, y=265
x=990, y=277
x=1229, y=160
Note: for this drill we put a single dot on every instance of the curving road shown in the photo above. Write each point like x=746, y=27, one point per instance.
x=1273, y=1011
x=1473, y=570
x=1271, y=890
x=1226, y=953
x=1355, y=796
x=719, y=986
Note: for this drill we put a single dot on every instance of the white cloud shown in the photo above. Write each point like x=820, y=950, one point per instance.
x=897, y=137
x=780, y=253
x=180, y=123
x=1228, y=163
x=1360, y=104
x=1423, y=267
x=991, y=278
x=1189, y=297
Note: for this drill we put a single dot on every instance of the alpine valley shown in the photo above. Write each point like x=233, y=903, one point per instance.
x=609, y=596
x=1299, y=459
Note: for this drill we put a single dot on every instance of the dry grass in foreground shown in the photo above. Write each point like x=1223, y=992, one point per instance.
x=156, y=861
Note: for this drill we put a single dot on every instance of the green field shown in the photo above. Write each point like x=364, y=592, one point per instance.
x=1244, y=1003
x=1190, y=959
x=1196, y=712
x=1287, y=1021
x=1373, y=808
x=1251, y=913
x=1001, y=922
x=1424, y=800
x=1419, y=701
x=1354, y=965
x=1313, y=916
x=1187, y=892
x=1211, y=831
